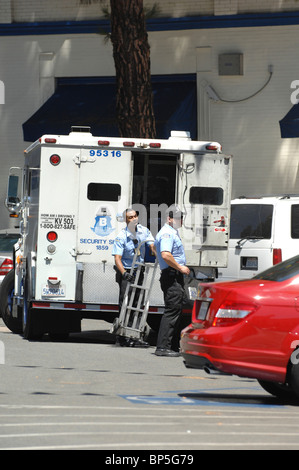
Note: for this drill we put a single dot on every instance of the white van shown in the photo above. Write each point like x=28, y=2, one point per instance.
x=263, y=232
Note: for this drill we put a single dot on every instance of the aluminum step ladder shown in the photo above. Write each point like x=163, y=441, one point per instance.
x=131, y=322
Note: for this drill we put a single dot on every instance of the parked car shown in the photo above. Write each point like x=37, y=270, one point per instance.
x=249, y=328
x=8, y=238
x=263, y=232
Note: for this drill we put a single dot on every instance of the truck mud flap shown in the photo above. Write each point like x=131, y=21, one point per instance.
x=52, y=322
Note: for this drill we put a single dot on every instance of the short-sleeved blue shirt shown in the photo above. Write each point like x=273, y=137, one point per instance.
x=125, y=247
x=168, y=239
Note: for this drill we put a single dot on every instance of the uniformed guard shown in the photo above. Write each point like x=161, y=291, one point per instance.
x=172, y=261
x=124, y=248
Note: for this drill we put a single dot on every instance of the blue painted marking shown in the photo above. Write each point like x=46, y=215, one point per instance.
x=211, y=390
x=202, y=399
x=146, y=400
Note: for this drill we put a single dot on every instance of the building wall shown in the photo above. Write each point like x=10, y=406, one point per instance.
x=55, y=10
x=263, y=162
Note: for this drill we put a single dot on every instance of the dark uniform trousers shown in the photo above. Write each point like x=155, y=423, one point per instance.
x=172, y=285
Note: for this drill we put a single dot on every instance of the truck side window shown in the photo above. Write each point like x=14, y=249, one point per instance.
x=206, y=195
x=103, y=192
x=295, y=221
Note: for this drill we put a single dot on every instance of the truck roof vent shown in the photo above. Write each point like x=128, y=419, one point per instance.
x=80, y=129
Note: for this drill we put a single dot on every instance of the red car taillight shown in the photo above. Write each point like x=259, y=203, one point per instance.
x=231, y=313
x=6, y=266
x=277, y=256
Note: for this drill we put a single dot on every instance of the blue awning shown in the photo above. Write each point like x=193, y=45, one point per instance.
x=289, y=125
x=84, y=102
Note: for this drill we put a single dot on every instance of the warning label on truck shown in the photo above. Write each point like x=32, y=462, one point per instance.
x=57, y=221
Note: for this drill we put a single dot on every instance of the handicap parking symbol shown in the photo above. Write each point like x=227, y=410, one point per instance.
x=208, y=398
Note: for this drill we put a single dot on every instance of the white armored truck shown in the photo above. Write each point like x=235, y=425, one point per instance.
x=68, y=197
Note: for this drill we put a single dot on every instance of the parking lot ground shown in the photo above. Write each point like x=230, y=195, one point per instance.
x=86, y=393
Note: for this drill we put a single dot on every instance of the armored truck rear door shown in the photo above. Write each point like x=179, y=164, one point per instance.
x=105, y=190
x=204, y=193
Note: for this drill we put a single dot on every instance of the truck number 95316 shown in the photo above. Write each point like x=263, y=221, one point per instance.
x=105, y=153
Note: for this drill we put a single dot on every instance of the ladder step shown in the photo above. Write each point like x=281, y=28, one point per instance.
x=139, y=287
x=135, y=309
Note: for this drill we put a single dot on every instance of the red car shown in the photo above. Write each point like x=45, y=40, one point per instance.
x=249, y=328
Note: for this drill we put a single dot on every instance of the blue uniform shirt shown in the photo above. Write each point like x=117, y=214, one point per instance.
x=168, y=239
x=125, y=247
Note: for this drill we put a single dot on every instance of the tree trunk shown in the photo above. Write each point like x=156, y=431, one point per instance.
x=131, y=52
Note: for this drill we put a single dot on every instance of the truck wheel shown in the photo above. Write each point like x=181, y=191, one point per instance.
x=7, y=306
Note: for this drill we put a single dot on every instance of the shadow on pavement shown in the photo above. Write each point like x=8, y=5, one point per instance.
x=239, y=399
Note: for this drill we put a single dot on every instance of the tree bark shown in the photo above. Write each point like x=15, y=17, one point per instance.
x=131, y=53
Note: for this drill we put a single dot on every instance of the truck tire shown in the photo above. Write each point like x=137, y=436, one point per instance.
x=6, y=304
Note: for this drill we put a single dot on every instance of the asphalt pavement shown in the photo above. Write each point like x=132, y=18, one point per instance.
x=86, y=393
